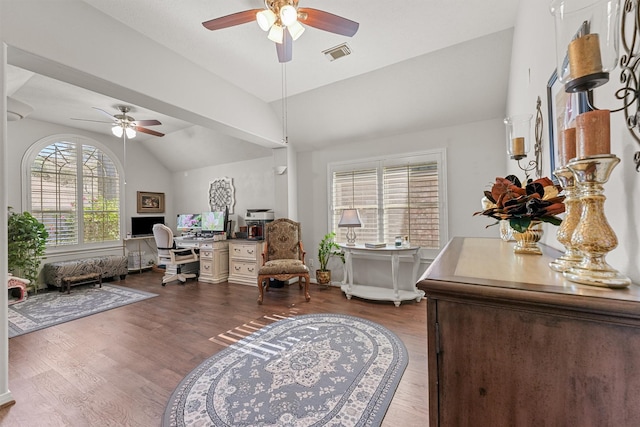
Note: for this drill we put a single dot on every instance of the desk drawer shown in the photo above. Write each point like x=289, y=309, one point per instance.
x=206, y=253
x=241, y=268
x=245, y=251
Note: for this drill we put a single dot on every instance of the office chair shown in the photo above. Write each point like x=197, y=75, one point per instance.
x=171, y=257
x=283, y=256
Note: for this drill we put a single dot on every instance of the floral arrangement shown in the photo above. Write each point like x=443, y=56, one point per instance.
x=539, y=200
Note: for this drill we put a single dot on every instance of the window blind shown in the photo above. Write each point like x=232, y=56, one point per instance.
x=75, y=193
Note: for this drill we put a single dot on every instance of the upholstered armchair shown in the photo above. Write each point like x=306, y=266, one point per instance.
x=173, y=259
x=283, y=256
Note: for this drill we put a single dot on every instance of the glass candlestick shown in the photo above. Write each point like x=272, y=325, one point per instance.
x=593, y=235
x=572, y=256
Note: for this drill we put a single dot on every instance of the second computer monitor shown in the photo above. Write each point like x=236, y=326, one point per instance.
x=214, y=222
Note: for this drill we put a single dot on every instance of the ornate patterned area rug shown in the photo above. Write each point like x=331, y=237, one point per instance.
x=314, y=369
x=52, y=308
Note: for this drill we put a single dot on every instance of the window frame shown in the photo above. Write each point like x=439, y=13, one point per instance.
x=27, y=161
x=379, y=163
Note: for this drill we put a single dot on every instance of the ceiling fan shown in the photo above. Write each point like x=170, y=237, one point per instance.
x=125, y=124
x=283, y=19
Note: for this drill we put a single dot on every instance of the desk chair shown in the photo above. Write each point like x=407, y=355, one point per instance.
x=171, y=257
x=283, y=256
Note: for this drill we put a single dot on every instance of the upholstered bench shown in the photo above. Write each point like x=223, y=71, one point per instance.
x=110, y=266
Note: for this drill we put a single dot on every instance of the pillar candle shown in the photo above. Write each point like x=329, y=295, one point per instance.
x=593, y=133
x=567, y=146
x=584, y=56
x=517, y=146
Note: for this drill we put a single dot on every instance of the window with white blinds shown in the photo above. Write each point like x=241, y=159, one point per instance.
x=403, y=196
x=75, y=193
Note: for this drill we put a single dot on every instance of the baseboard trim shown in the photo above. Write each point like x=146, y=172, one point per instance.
x=6, y=400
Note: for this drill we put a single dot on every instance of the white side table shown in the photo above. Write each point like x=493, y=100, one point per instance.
x=399, y=292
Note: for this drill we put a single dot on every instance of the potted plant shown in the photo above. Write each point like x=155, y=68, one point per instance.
x=27, y=238
x=326, y=249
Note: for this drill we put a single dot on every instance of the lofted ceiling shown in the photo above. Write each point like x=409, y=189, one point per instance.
x=414, y=64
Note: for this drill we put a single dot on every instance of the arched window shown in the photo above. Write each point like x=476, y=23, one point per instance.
x=74, y=189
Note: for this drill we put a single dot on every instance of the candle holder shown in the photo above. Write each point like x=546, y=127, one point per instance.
x=593, y=236
x=573, y=208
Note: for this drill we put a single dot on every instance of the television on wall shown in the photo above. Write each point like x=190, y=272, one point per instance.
x=142, y=226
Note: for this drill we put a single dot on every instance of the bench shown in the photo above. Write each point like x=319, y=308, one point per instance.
x=110, y=266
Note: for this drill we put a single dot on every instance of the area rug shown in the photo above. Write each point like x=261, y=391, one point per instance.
x=314, y=369
x=52, y=308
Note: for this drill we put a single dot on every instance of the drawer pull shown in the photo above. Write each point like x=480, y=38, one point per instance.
x=236, y=250
x=236, y=268
x=250, y=251
x=251, y=269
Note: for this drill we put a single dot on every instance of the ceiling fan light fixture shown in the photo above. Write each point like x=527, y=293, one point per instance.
x=276, y=34
x=130, y=132
x=266, y=19
x=117, y=131
x=288, y=15
x=296, y=29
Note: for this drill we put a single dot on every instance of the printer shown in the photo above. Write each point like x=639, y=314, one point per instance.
x=256, y=220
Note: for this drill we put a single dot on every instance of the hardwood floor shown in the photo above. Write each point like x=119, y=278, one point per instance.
x=119, y=367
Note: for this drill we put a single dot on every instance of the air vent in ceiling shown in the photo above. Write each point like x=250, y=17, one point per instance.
x=337, y=52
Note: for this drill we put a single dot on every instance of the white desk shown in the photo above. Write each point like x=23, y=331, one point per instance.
x=214, y=257
x=399, y=292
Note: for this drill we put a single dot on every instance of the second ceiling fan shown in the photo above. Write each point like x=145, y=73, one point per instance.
x=283, y=20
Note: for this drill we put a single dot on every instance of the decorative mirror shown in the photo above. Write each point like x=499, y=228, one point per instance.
x=221, y=194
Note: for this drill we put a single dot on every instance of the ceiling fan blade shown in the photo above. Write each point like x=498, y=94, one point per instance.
x=285, y=49
x=107, y=114
x=329, y=22
x=87, y=120
x=148, y=131
x=231, y=20
x=146, y=123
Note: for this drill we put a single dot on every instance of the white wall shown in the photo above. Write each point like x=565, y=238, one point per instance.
x=475, y=156
x=253, y=180
x=534, y=55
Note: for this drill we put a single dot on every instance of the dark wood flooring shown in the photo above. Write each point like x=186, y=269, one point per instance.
x=119, y=367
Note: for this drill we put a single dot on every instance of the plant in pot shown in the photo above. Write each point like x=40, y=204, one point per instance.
x=27, y=239
x=326, y=249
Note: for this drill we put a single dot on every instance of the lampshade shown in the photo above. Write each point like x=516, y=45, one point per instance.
x=288, y=15
x=131, y=133
x=296, y=29
x=266, y=19
x=350, y=218
x=276, y=33
x=117, y=131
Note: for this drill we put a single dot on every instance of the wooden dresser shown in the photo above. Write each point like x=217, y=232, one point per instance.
x=245, y=259
x=512, y=343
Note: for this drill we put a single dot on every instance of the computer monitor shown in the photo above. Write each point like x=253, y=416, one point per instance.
x=214, y=222
x=142, y=226
x=189, y=222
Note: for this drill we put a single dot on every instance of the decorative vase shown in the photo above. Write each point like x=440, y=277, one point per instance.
x=527, y=242
x=323, y=277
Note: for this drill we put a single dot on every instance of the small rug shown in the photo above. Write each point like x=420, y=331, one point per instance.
x=314, y=369
x=52, y=308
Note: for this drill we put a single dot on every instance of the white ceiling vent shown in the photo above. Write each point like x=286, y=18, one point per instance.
x=337, y=52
